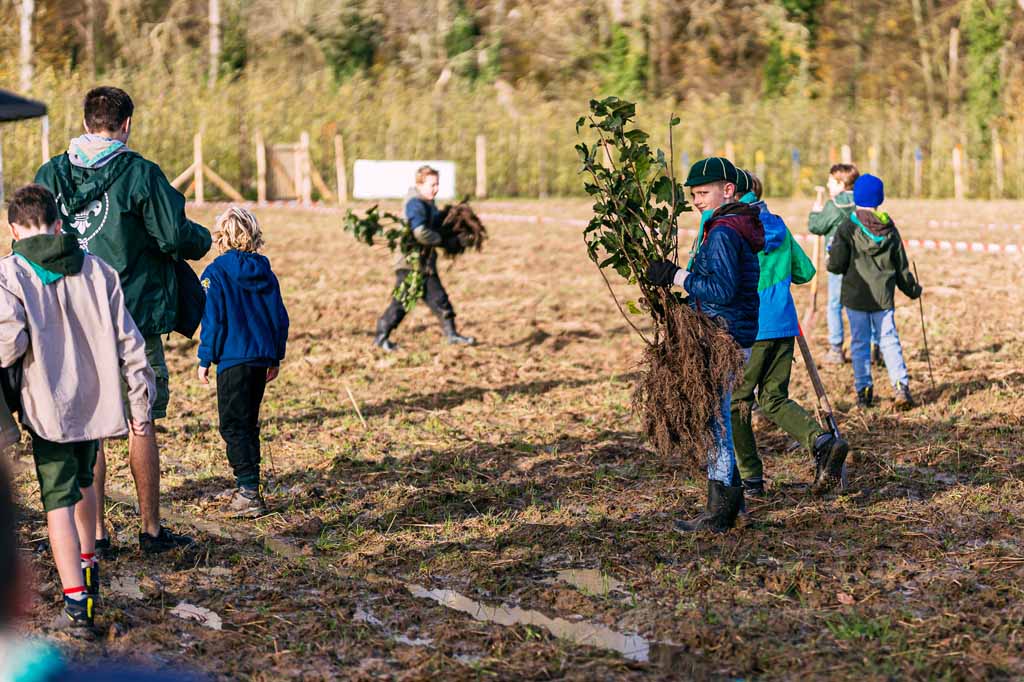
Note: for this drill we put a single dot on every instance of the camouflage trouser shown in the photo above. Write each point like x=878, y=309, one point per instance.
x=435, y=297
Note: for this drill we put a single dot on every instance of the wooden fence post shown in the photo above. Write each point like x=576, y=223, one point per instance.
x=481, y=167
x=918, y=171
x=730, y=151
x=44, y=139
x=542, y=178
x=833, y=155
x=796, y=172
x=341, y=169
x=759, y=166
x=197, y=154
x=261, y=169
x=846, y=154
x=997, y=159
x=873, y=159
x=958, y=173
x=307, y=169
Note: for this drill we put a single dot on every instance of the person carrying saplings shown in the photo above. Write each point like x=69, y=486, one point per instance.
x=767, y=373
x=868, y=252
x=424, y=221
x=722, y=284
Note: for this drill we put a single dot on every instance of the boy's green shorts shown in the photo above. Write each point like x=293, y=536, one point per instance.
x=63, y=469
x=155, y=355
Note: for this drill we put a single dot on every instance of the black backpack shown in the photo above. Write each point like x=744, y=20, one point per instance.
x=10, y=386
x=191, y=299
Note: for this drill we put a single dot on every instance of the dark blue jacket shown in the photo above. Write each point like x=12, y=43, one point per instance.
x=723, y=278
x=245, y=322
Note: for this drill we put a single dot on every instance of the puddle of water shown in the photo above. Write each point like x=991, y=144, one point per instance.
x=205, y=617
x=590, y=581
x=126, y=587
x=633, y=647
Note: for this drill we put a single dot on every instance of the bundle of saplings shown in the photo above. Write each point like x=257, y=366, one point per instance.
x=461, y=229
x=689, y=359
x=395, y=232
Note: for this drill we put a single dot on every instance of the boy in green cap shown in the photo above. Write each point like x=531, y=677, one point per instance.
x=767, y=373
x=722, y=283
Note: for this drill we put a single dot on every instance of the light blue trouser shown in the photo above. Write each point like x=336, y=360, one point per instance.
x=862, y=327
x=722, y=456
x=835, y=312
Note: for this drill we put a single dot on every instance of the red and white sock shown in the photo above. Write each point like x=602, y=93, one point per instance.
x=88, y=560
x=75, y=593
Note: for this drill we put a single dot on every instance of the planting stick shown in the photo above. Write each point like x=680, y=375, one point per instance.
x=924, y=329
x=356, y=405
x=824, y=406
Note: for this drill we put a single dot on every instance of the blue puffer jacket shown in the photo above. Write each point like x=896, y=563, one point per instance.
x=245, y=321
x=723, y=278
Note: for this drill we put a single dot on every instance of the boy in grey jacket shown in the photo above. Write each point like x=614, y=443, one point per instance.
x=62, y=314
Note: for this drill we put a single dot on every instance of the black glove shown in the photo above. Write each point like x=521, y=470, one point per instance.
x=662, y=273
x=451, y=244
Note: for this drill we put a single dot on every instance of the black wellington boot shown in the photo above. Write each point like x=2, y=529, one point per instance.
x=381, y=340
x=452, y=336
x=724, y=504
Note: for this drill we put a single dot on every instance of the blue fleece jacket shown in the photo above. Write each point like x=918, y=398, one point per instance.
x=245, y=321
x=722, y=281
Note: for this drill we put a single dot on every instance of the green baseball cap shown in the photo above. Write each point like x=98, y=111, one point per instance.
x=744, y=183
x=713, y=169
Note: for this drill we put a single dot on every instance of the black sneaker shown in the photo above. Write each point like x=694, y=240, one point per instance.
x=866, y=396
x=829, y=457
x=91, y=574
x=165, y=540
x=77, y=616
x=754, y=488
x=876, y=356
x=104, y=550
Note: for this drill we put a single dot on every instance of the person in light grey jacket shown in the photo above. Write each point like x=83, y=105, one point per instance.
x=63, y=316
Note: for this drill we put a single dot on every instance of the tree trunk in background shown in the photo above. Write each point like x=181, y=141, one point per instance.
x=28, y=8
x=214, y=40
x=926, y=55
x=953, y=82
x=90, y=37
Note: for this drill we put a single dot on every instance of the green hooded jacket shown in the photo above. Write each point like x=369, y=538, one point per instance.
x=127, y=214
x=826, y=221
x=868, y=252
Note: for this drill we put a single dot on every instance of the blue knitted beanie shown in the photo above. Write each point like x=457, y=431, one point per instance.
x=868, y=191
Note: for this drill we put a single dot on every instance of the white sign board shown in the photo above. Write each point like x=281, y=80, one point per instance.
x=392, y=179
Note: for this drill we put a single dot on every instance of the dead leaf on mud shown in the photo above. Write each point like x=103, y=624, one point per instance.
x=846, y=599
x=204, y=616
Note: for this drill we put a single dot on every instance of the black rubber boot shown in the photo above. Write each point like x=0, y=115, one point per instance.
x=866, y=396
x=754, y=488
x=453, y=336
x=724, y=504
x=876, y=356
x=903, y=399
x=382, y=341
x=829, y=456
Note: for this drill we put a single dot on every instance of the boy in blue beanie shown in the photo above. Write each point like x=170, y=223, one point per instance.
x=868, y=252
x=244, y=333
x=722, y=283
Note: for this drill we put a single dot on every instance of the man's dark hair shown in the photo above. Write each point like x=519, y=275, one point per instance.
x=107, y=108
x=8, y=548
x=32, y=206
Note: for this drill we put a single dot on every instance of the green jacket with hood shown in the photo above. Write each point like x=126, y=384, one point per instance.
x=126, y=213
x=826, y=221
x=868, y=252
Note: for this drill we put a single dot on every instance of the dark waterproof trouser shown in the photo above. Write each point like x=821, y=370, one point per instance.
x=767, y=373
x=239, y=395
x=434, y=295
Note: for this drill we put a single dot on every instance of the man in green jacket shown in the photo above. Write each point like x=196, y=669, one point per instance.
x=121, y=208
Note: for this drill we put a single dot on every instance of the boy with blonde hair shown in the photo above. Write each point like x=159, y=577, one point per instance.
x=244, y=332
x=63, y=313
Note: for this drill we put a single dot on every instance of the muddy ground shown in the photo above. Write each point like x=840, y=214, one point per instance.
x=488, y=470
